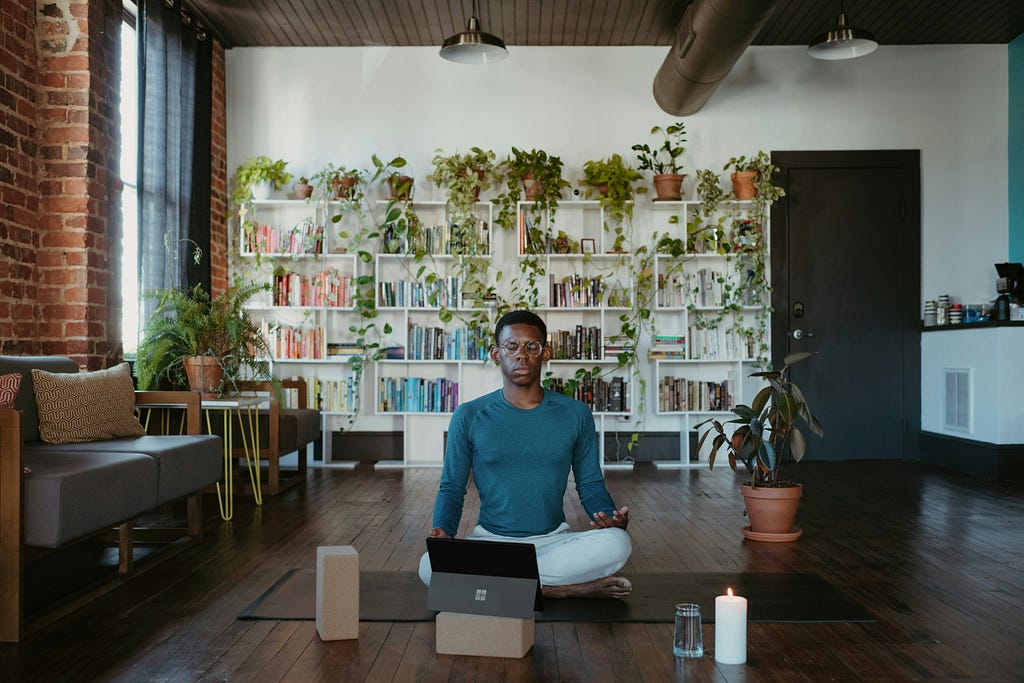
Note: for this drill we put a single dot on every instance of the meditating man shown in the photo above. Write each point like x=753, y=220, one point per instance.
x=520, y=443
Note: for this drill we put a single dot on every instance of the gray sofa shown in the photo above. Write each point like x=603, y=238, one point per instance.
x=55, y=494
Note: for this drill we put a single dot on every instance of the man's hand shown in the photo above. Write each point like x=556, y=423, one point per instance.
x=438, y=532
x=619, y=518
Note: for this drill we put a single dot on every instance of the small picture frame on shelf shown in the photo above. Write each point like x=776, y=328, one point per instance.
x=588, y=246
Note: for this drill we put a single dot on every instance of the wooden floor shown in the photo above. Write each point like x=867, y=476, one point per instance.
x=936, y=557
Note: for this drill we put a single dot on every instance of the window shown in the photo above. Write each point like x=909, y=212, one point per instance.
x=129, y=165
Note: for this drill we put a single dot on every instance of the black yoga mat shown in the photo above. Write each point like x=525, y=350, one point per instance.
x=400, y=596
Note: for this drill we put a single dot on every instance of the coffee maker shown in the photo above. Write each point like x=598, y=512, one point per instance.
x=1010, y=286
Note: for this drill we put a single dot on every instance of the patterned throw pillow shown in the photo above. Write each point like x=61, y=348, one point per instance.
x=87, y=406
x=9, y=385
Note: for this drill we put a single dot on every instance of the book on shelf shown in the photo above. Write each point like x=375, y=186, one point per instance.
x=335, y=349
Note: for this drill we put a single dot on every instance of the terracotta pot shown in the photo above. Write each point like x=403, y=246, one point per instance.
x=303, y=190
x=205, y=373
x=531, y=187
x=480, y=180
x=743, y=184
x=401, y=187
x=772, y=510
x=668, y=186
x=343, y=187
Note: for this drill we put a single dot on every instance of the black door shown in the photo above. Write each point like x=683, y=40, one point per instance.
x=846, y=285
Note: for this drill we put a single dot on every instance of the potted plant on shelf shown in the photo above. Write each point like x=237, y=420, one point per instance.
x=766, y=434
x=615, y=182
x=465, y=176
x=399, y=185
x=753, y=177
x=663, y=161
x=535, y=174
x=303, y=190
x=338, y=182
x=257, y=177
x=214, y=336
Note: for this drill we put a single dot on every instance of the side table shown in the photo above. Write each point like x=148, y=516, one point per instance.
x=246, y=409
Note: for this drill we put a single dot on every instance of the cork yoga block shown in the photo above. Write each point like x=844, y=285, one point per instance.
x=337, y=592
x=479, y=636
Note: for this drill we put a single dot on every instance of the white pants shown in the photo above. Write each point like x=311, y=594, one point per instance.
x=565, y=557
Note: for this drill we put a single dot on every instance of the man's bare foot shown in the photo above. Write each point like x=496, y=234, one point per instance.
x=608, y=587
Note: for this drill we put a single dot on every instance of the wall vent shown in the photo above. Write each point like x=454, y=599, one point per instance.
x=958, y=400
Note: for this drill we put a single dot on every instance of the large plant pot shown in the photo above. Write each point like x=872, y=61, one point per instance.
x=771, y=512
x=743, y=184
x=668, y=186
x=205, y=373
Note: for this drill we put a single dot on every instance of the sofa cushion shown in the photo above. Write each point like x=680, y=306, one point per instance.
x=89, y=406
x=70, y=495
x=26, y=400
x=185, y=464
x=9, y=385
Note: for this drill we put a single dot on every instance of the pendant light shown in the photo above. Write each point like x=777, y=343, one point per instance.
x=474, y=46
x=842, y=42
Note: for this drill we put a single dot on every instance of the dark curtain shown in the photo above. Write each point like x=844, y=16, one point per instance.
x=174, y=152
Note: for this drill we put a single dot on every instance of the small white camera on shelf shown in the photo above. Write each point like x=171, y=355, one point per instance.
x=577, y=193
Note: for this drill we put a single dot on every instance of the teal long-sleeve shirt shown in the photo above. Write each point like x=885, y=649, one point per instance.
x=520, y=461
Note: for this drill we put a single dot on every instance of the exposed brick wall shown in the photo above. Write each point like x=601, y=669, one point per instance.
x=218, y=177
x=79, y=188
x=60, y=192
x=19, y=193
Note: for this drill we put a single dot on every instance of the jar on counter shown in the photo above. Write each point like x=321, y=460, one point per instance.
x=942, y=311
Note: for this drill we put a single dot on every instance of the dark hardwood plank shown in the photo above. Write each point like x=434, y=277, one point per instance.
x=936, y=557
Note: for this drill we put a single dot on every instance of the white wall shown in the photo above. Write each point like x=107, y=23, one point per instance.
x=314, y=105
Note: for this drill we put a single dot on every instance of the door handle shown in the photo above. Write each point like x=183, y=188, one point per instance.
x=801, y=334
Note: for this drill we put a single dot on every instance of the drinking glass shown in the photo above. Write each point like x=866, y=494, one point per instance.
x=687, y=640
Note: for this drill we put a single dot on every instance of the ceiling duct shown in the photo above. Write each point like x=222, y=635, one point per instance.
x=710, y=37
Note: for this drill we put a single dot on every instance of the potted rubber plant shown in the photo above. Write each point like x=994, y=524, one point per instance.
x=208, y=344
x=257, y=177
x=767, y=436
x=663, y=161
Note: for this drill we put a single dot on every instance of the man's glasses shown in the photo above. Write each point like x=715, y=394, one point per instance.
x=530, y=348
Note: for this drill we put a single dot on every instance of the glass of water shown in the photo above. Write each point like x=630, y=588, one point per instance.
x=687, y=640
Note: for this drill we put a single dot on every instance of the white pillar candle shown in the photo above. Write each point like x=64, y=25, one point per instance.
x=730, y=629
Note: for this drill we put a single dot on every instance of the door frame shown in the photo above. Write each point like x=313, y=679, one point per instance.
x=908, y=298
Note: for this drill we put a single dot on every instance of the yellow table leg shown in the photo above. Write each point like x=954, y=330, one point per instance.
x=227, y=502
x=252, y=458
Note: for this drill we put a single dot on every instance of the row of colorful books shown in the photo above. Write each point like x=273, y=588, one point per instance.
x=721, y=344
x=678, y=394
x=304, y=238
x=582, y=344
x=600, y=394
x=287, y=341
x=576, y=291
x=417, y=395
x=437, y=343
x=326, y=288
x=410, y=294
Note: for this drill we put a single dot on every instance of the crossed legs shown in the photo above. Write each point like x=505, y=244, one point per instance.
x=571, y=563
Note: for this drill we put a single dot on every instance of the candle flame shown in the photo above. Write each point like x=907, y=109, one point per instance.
x=729, y=592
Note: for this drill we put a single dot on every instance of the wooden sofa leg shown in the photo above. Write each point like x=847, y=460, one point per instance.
x=273, y=473
x=125, y=548
x=11, y=571
x=194, y=514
